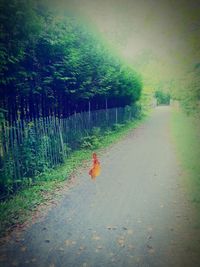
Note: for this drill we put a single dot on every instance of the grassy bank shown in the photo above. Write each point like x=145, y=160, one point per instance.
x=186, y=134
x=21, y=206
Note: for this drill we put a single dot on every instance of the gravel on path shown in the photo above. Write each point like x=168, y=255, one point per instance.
x=137, y=212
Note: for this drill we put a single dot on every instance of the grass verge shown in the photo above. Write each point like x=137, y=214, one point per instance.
x=186, y=135
x=18, y=209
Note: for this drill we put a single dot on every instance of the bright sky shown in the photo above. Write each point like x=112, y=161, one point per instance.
x=163, y=35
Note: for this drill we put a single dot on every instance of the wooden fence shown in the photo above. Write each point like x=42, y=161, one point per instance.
x=27, y=148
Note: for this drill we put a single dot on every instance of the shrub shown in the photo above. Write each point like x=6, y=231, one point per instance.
x=162, y=98
x=90, y=142
x=117, y=126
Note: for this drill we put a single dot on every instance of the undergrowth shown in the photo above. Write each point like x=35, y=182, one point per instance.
x=186, y=134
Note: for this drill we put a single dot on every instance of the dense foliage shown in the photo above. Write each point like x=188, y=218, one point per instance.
x=190, y=91
x=53, y=65
x=162, y=98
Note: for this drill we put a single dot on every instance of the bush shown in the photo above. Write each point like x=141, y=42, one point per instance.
x=117, y=126
x=96, y=131
x=108, y=131
x=92, y=141
x=162, y=98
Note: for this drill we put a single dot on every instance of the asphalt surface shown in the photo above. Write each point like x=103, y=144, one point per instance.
x=137, y=213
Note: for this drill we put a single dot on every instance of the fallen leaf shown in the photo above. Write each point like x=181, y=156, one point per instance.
x=14, y=263
x=151, y=251
x=121, y=242
x=69, y=242
x=3, y=257
x=96, y=237
x=130, y=232
x=131, y=247
x=149, y=229
x=124, y=228
x=110, y=227
x=23, y=249
x=138, y=260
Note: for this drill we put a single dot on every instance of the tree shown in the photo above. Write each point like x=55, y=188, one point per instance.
x=51, y=64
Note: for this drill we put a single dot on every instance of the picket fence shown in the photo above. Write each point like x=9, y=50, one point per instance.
x=27, y=148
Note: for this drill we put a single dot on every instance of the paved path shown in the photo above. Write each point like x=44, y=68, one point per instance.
x=135, y=214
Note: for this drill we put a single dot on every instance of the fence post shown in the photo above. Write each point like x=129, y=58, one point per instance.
x=52, y=135
x=89, y=112
x=61, y=140
x=106, y=110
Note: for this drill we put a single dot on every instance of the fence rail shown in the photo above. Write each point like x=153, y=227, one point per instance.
x=27, y=148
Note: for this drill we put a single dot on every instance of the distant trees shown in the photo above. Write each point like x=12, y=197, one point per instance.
x=52, y=65
x=190, y=91
x=162, y=97
x=186, y=90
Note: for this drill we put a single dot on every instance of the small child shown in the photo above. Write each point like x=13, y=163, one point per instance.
x=96, y=169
